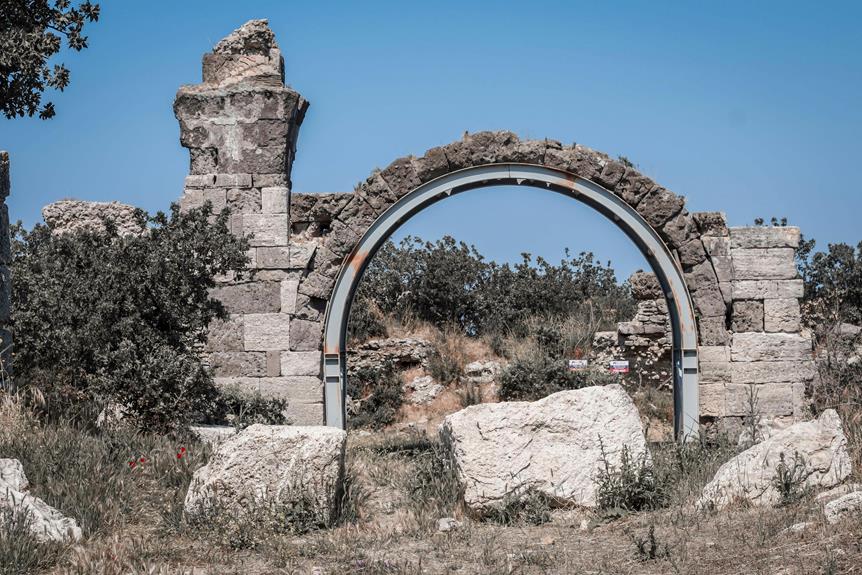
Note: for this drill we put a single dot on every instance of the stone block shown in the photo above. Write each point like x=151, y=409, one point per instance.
x=782, y=315
x=772, y=371
x=294, y=389
x=714, y=371
x=770, y=400
x=659, y=206
x=233, y=180
x=768, y=289
x=764, y=264
x=712, y=331
x=266, y=229
x=305, y=413
x=764, y=237
x=225, y=335
x=250, y=297
x=238, y=363
x=716, y=245
x=244, y=200
x=701, y=276
x=269, y=180
x=711, y=223
x=196, y=198
x=713, y=353
x=770, y=347
x=645, y=286
x=300, y=363
x=266, y=332
x=723, y=266
x=711, y=398
x=747, y=315
x=709, y=302
x=301, y=254
x=801, y=402
x=289, y=293
x=274, y=200
x=273, y=257
x=200, y=181
x=273, y=363
x=305, y=335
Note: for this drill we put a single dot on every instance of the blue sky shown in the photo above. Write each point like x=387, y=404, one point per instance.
x=751, y=108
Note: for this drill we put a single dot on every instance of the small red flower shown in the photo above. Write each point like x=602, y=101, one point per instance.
x=143, y=459
x=182, y=449
x=179, y=455
x=132, y=463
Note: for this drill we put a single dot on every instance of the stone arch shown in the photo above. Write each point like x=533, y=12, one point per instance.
x=655, y=218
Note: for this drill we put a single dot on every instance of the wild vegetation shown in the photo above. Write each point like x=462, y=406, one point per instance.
x=126, y=485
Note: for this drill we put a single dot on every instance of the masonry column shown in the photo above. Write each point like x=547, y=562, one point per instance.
x=5, y=277
x=240, y=126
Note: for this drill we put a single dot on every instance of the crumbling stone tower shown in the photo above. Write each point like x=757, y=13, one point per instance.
x=240, y=126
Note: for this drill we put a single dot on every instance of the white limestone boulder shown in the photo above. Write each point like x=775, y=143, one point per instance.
x=552, y=446
x=819, y=443
x=845, y=506
x=273, y=464
x=44, y=522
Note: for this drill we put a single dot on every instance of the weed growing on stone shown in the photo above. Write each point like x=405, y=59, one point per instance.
x=789, y=479
x=529, y=507
x=630, y=486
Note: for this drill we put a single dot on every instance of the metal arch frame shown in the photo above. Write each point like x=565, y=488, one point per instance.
x=665, y=266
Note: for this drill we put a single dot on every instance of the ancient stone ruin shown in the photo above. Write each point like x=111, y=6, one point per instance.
x=241, y=126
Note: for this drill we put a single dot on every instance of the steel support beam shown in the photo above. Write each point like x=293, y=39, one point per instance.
x=665, y=266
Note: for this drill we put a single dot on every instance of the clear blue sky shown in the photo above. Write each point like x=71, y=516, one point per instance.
x=752, y=108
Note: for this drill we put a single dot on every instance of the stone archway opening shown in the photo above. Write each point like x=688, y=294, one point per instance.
x=644, y=237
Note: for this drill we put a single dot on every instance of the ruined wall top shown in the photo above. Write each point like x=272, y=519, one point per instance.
x=248, y=54
x=70, y=216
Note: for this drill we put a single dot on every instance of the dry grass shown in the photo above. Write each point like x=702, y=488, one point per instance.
x=401, y=488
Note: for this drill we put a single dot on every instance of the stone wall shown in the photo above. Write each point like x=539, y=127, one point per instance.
x=240, y=126
x=769, y=357
x=74, y=215
x=5, y=276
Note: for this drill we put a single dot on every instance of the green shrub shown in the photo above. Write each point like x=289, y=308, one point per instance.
x=376, y=394
x=789, y=479
x=366, y=320
x=103, y=318
x=536, y=376
x=233, y=406
x=530, y=507
x=648, y=548
x=630, y=486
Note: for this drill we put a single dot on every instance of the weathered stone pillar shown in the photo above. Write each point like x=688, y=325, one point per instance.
x=5, y=276
x=240, y=126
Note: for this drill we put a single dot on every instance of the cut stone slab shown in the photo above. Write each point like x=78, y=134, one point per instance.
x=845, y=506
x=552, y=445
x=423, y=390
x=272, y=463
x=770, y=347
x=820, y=443
x=45, y=523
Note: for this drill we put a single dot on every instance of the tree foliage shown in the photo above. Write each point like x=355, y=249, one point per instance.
x=833, y=281
x=31, y=33
x=450, y=283
x=104, y=317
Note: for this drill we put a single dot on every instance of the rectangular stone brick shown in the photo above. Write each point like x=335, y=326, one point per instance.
x=764, y=264
x=801, y=402
x=713, y=353
x=305, y=335
x=301, y=254
x=238, y=363
x=299, y=389
x=267, y=229
x=747, y=315
x=782, y=315
x=244, y=200
x=233, y=180
x=273, y=257
x=250, y=297
x=266, y=332
x=772, y=371
x=300, y=363
x=712, y=331
x=770, y=347
x=269, y=180
x=768, y=289
x=273, y=363
x=196, y=198
x=289, y=293
x=714, y=372
x=274, y=200
x=716, y=246
x=772, y=399
x=225, y=335
x=302, y=413
x=200, y=181
x=764, y=237
x=711, y=398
